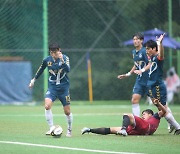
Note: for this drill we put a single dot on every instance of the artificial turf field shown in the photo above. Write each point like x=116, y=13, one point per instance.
x=22, y=130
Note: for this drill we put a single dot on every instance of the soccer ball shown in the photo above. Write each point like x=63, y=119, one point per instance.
x=57, y=131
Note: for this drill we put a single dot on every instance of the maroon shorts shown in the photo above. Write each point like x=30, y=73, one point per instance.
x=141, y=127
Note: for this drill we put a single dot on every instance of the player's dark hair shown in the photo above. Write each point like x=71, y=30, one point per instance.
x=139, y=36
x=149, y=111
x=151, y=44
x=54, y=46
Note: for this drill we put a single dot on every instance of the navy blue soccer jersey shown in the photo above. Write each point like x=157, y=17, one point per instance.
x=155, y=71
x=57, y=71
x=156, y=86
x=140, y=61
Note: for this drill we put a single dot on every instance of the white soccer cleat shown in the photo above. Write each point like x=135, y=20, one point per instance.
x=50, y=130
x=122, y=132
x=85, y=130
x=69, y=133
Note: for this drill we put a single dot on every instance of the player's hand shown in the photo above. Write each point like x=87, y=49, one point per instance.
x=122, y=76
x=31, y=84
x=60, y=55
x=155, y=101
x=159, y=40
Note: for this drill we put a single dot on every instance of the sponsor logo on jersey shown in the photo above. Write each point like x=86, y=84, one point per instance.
x=140, y=55
x=49, y=63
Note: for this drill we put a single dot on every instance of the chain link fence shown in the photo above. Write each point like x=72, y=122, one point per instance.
x=98, y=27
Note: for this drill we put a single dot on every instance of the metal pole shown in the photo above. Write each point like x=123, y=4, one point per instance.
x=170, y=29
x=89, y=78
x=45, y=40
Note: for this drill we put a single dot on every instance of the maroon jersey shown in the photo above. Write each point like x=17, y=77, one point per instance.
x=144, y=127
x=154, y=123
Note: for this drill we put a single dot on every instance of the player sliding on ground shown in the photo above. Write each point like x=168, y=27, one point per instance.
x=134, y=125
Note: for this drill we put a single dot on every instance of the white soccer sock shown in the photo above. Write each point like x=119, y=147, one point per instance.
x=170, y=119
x=136, y=109
x=169, y=110
x=49, y=117
x=69, y=121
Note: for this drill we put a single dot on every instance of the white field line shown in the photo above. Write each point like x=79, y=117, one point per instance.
x=65, y=148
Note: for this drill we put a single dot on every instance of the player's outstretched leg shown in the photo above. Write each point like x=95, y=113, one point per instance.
x=102, y=130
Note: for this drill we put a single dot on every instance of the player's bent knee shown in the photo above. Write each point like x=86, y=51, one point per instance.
x=128, y=114
x=48, y=104
x=135, y=98
x=47, y=107
x=67, y=110
x=135, y=101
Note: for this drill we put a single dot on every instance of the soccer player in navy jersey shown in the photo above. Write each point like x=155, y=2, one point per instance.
x=155, y=84
x=134, y=125
x=58, y=85
x=141, y=64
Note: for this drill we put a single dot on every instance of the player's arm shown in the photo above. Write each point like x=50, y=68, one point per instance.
x=65, y=62
x=147, y=67
x=160, y=47
x=122, y=76
x=161, y=108
x=38, y=73
x=66, y=65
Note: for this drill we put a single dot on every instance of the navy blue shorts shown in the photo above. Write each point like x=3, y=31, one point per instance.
x=140, y=89
x=62, y=94
x=159, y=92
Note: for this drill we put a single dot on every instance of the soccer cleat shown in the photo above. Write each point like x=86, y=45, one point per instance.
x=172, y=128
x=85, y=130
x=177, y=132
x=50, y=130
x=69, y=133
x=122, y=132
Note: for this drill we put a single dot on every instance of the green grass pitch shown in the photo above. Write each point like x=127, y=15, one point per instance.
x=22, y=130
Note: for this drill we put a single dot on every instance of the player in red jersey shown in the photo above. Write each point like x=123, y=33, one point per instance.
x=134, y=125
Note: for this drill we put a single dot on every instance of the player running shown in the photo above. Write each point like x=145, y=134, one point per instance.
x=155, y=84
x=141, y=65
x=134, y=125
x=58, y=85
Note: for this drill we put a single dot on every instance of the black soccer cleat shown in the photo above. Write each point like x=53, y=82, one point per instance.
x=172, y=128
x=177, y=132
